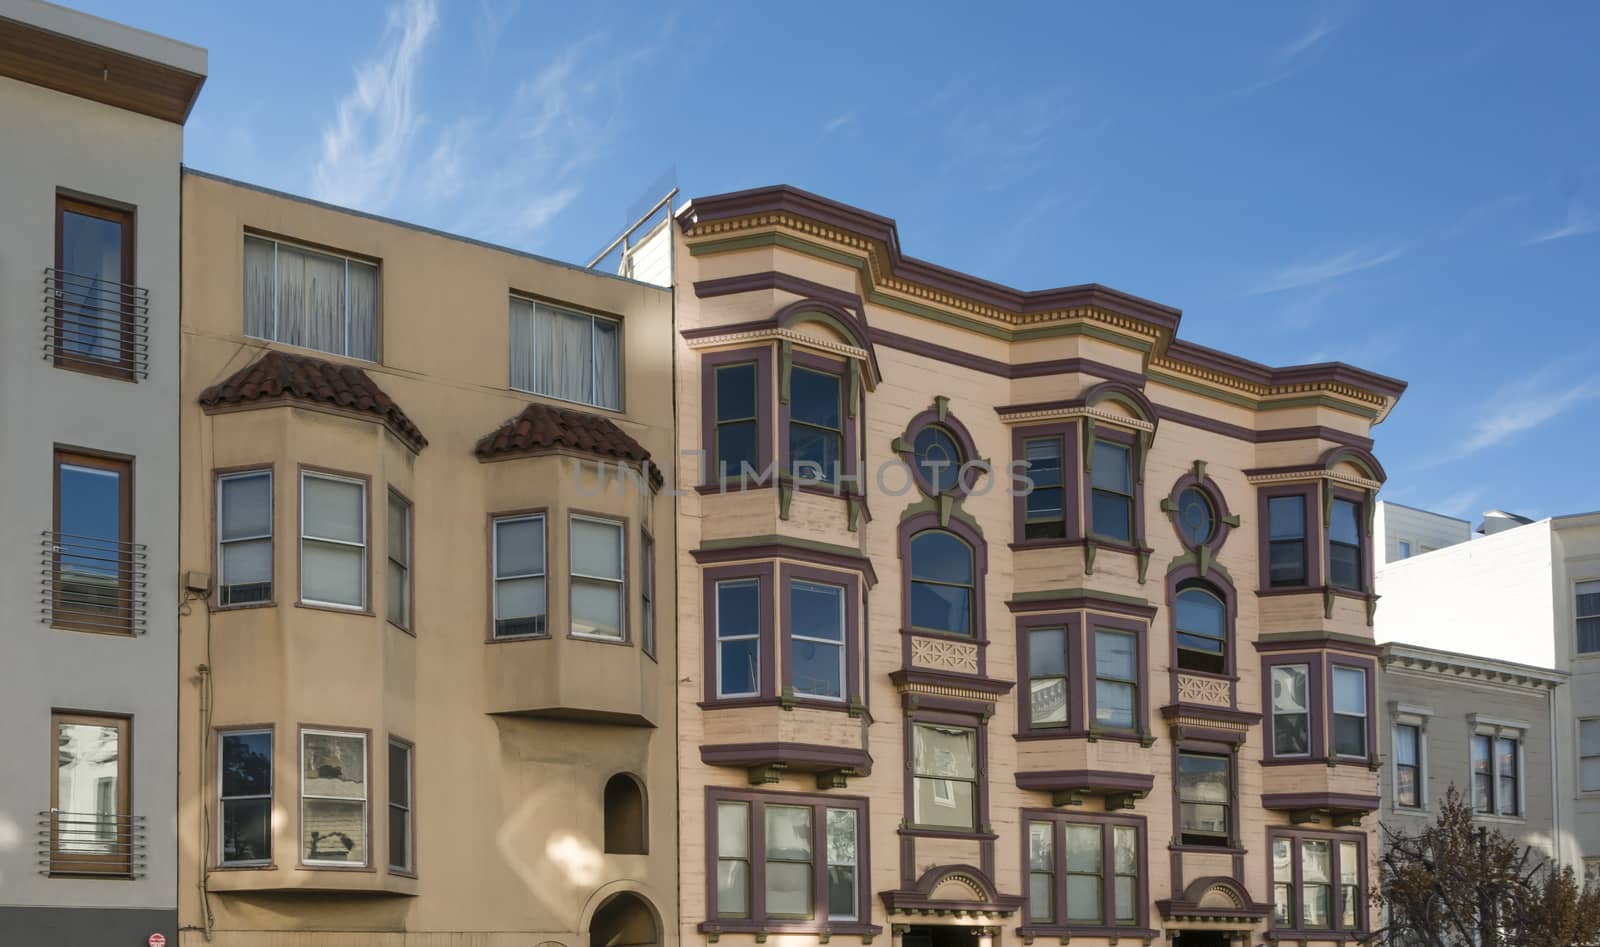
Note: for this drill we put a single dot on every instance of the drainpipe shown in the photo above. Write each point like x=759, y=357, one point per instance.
x=1555, y=778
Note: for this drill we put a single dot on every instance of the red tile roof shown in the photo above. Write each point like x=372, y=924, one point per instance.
x=278, y=375
x=543, y=427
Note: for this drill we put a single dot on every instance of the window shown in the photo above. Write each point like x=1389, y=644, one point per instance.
x=1316, y=882
x=1344, y=546
x=399, y=560
x=1589, y=755
x=1204, y=795
x=1202, y=630
x=734, y=436
x=311, y=299
x=333, y=541
x=568, y=355
x=1405, y=549
x=1045, y=509
x=1286, y=540
x=944, y=766
x=1508, y=771
x=92, y=553
x=739, y=638
x=1196, y=518
x=91, y=824
x=938, y=459
x=816, y=632
x=333, y=798
x=625, y=818
x=816, y=424
x=1496, y=774
x=1047, y=678
x=1408, y=765
x=519, y=581
x=1591, y=873
x=809, y=850
x=1349, y=711
x=1482, y=773
x=99, y=313
x=1116, y=680
x=1291, y=710
x=1588, y=612
x=942, y=578
x=1084, y=874
x=1111, y=503
x=400, y=832
x=244, y=782
x=244, y=538
x=647, y=594
x=597, y=580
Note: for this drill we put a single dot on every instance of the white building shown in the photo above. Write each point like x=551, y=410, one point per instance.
x=1405, y=531
x=90, y=165
x=1525, y=594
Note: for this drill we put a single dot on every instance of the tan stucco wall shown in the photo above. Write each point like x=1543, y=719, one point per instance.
x=910, y=382
x=508, y=806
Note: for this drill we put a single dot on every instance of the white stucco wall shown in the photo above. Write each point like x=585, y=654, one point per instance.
x=1577, y=557
x=52, y=141
x=1424, y=530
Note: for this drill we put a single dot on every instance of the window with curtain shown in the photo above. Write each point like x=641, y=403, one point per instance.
x=572, y=356
x=333, y=798
x=1286, y=540
x=1349, y=711
x=1116, y=680
x=519, y=579
x=244, y=538
x=1291, y=710
x=309, y=298
x=1205, y=797
x=597, y=577
x=816, y=640
x=844, y=886
x=1202, y=629
x=1408, y=765
x=1045, y=505
x=1047, y=678
x=942, y=583
x=1041, y=872
x=738, y=627
x=1111, y=494
x=733, y=859
x=245, y=797
x=333, y=541
x=789, y=861
x=944, y=765
x=399, y=584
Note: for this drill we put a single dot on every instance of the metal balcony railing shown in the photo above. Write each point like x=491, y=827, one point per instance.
x=96, y=324
x=91, y=843
x=93, y=584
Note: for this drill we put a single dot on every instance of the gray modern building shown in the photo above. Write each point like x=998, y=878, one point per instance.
x=90, y=167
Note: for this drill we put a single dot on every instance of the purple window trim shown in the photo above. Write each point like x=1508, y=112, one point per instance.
x=1219, y=509
x=1335, y=903
x=922, y=522
x=1370, y=668
x=1072, y=624
x=975, y=720
x=1313, y=662
x=1130, y=440
x=1071, y=497
x=1313, y=540
x=1213, y=581
x=1060, y=926
x=1228, y=752
x=849, y=431
x=1141, y=636
x=761, y=356
x=1364, y=535
x=964, y=443
x=763, y=573
x=853, y=646
x=757, y=920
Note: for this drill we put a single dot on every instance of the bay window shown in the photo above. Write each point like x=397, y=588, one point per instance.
x=1291, y=710
x=1286, y=541
x=519, y=576
x=816, y=632
x=786, y=861
x=1084, y=872
x=310, y=298
x=244, y=788
x=1116, y=684
x=1205, y=796
x=944, y=766
x=738, y=637
x=1349, y=711
x=1047, y=678
x=737, y=424
x=596, y=550
x=244, y=538
x=399, y=573
x=1045, y=511
x=400, y=820
x=1345, y=546
x=1111, y=513
x=570, y=356
x=816, y=424
x=333, y=541
x=1317, y=881
x=333, y=798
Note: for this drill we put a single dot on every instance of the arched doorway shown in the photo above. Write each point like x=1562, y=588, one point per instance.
x=624, y=920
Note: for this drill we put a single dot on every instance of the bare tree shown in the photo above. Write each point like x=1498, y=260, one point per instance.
x=1456, y=884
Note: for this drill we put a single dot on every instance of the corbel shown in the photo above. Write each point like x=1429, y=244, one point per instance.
x=1143, y=557
x=765, y=773
x=1088, y=448
x=947, y=503
x=854, y=406
x=1066, y=797
x=1088, y=557
x=1147, y=739
x=785, y=362
x=856, y=708
x=1327, y=601
x=1232, y=520
x=824, y=935
x=1200, y=471
x=1372, y=608
x=852, y=506
x=941, y=407
x=1142, y=448
x=761, y=936
x=785, y=497
x=1202, y=560
x=787, y=700
x=832, y=778
x=713, y=934
x=1347, y=820
x=1122, y=800
x=1327, y=505
x=1305, y=817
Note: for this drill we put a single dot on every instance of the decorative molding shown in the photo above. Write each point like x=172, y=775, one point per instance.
x=776, y=334
x=941, y=655
x=1034, y=414
x=1212, y=691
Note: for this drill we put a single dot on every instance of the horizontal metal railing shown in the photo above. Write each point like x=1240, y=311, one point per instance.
x=91, y=843
x=96, y=584
x=97, y=323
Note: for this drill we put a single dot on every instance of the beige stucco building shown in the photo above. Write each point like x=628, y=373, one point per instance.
x=425, y=684
x=1137, y=702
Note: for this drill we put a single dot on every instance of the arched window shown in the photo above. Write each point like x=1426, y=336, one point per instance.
x=1200, y=620
x=625, y=817
x=941, y=582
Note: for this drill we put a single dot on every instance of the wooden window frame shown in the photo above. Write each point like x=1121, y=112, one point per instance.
x=125, y=365
x=118, y=863
x=1108, y=926
x=242, y=473
x=1129, y=447
x=1336, y=901
x=495, y=519
x=409, y=868
x=124, y=618
x=621, y=524
x=222, y=733
x=366, y=798
x=365, y=483
x=407, y=568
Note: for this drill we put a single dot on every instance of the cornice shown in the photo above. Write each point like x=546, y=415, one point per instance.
x=1402, y=658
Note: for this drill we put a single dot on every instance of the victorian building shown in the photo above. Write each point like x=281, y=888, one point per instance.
x=425, y=671
x=1008, y=615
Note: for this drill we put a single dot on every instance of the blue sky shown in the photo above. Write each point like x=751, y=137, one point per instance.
x=1413, y=188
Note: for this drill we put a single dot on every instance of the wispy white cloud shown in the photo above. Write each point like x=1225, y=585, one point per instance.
x=1322, y=270
x=1481, y=213
x=1298, y=52
x=367, y=148
x=1462, y=503
x=997, y=140
x=490, y=24
x=1580, y=221
x=1525, y=410
x=839, y=121
x=1320, y=29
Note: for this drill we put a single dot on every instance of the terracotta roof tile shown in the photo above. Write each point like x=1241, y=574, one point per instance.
x=543, y=427
x=278, y=375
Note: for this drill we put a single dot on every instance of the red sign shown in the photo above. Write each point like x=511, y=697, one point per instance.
x=158, y=940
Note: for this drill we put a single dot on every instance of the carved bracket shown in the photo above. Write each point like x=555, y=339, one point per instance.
x=765, y=773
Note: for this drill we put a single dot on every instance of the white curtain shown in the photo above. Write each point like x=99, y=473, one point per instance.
x=607, y=383
x=291, y=321
x=363, y=304
x=521, y=344
x=258, y=287
x=324, y=288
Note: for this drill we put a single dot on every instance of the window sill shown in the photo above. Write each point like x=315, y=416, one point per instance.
x=400, y=628
x=337, y=609
x=1209, y=849
x=599, y=639
x=244, y=606
x=1094, y=930
x=775, y=926
x=1315, y=933
x=852, y=707
x=113, y=632
x=1499, y=818
x=342, y=868
x=402, y=873
x=117, y=371
x=246, y=866
x=926, y=832
x=512, y=639
x=1023, y=544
